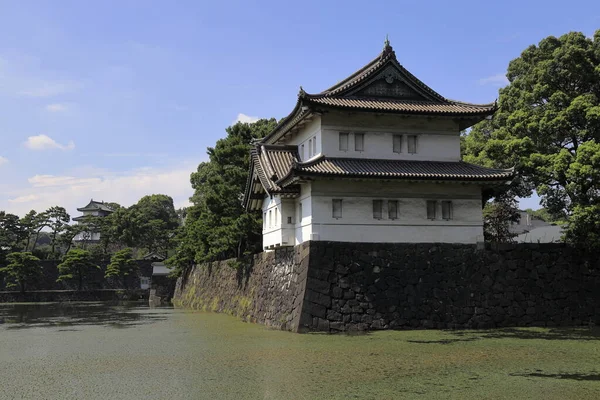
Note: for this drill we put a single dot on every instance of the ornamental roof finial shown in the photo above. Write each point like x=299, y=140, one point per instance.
x=387, y=47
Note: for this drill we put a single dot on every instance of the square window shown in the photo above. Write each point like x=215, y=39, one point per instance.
x=397, y=145
x=393, y=209
x=359, y=142
x=343, y=141
x=446, y=210
x=431, y=209
x=377, y=209
x=336, y=206
x=412, y=144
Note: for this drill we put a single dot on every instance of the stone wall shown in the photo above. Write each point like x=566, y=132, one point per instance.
x=269, y=289
x=333, y=286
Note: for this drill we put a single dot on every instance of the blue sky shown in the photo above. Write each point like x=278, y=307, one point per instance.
x=118, y=99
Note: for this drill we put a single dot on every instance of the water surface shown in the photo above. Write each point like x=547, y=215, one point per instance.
x=101, y=351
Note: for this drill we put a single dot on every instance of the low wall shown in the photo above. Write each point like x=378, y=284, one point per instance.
x=94, y=281
x=268, y=290
x=73, y=295
x=333, y=286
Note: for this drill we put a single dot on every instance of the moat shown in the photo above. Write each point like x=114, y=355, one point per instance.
x=130, y=351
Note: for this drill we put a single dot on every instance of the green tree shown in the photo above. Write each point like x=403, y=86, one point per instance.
x=77, y=264
x=11, y=234
x=58, y=220
x=497, y=217
x=22, y=269
x=29, y=227
x=548, y=125
x=217, y=226
x=39, y=222
x=122, y=265
x=151, y=223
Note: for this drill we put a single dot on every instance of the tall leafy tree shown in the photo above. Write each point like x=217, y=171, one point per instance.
x=217, y=226
x=21, y=269
x=29, y=225
x=11, y=234
x=151, y=223
x=548, y=125
x=76, y=265
x=122, y=265
x=58, y=219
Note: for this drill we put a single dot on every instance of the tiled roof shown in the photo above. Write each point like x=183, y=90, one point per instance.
x=416, y=107
x=360, y=92
x=398, y=169
x=96, y=205
x=276, y=169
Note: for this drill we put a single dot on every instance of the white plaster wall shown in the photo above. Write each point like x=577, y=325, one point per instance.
x=303, y=227
x=437, y=139
x=358, y=225
x=310, y=131
x=272, y=233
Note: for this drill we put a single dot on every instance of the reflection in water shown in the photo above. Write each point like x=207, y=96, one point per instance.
x=36, y=315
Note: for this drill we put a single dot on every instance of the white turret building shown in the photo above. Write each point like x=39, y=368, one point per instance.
x=375, y=158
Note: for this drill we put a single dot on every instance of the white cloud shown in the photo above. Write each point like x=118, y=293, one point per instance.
x=50, y=89
x=245, y=118
x=44, y=142
x=75, y=189
x=57, y=107
x=51, y=180
x=24, y=199
x=495, y=80
x=3, y=160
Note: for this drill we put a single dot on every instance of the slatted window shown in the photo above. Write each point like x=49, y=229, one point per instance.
x=397, y=145
x=447, y=210
x=270, y=219
x=412, y=144
x=314, y=146
x=265, y=220
x=343, y=141
x=336, y=208
x=377, y=209
x=431, y=209
x=302, y=156
x=289, y=219
x=393, y=209
x=276, y=222
x=300, y=213
x=359, y=142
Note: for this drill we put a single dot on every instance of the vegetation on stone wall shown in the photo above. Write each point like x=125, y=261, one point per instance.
x=76, y=265
x=22, y=268
x=122, y=265
x=548, y=127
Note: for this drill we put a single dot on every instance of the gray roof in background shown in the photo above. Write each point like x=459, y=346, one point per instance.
x=160, y=269
x=543, y=234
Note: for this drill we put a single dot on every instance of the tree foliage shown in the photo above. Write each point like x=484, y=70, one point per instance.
x=498, y=216
x=22, y=268
x=548, y=126
x=217, y=226
x=76, y=265
x=122, y=265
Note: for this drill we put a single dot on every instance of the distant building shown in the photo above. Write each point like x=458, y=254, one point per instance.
x=531, y=229
x=93, y=209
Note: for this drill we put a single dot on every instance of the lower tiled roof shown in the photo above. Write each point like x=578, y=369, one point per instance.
x=406, y=169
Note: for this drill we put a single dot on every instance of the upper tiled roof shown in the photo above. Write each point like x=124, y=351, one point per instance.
x=416, y=107
x=96, y=205
x=383, y=85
